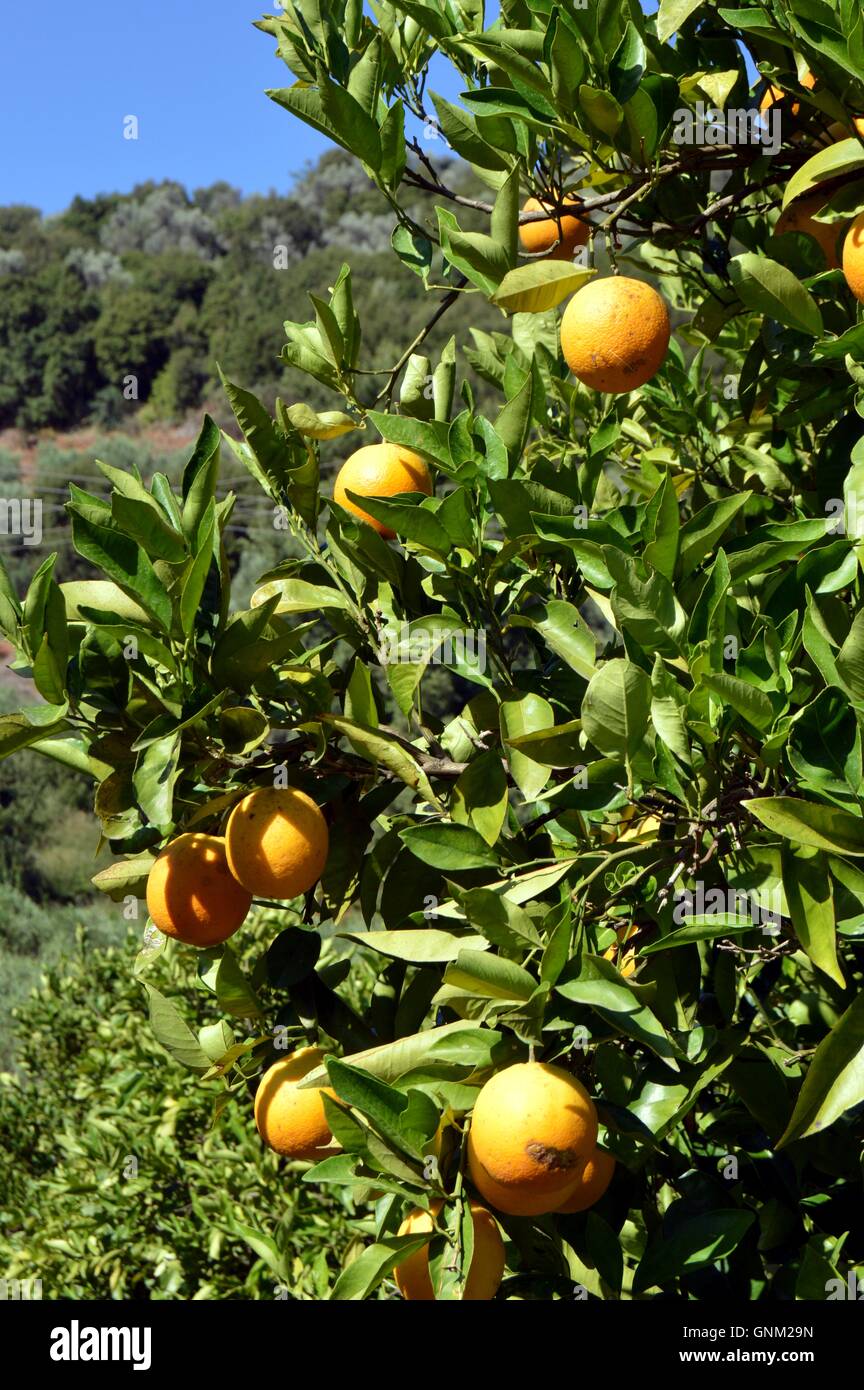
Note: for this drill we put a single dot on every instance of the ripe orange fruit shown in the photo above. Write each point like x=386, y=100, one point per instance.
x=838, y=131
x=277, y=842
x=626, y=959
x=775, y=94
x=853, y=258
x=191, y=893
x=615, y=334
x=487, y=1261
x=531, y=1125
x=595, y=1175
x=380, y=470
x=769, y=96
x=290, y=1120
x=565, y=229
x=798, y=217
x=632, y=826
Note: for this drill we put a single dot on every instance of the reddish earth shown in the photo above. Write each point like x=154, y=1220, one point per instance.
x=24, y=690
x=164, y=438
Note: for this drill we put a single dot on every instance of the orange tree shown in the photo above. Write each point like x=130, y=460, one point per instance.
x=616, y=891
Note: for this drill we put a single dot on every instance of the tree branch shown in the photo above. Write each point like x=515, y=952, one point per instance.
x=449, y=299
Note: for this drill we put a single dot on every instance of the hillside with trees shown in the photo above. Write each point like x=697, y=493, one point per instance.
x=162, y=285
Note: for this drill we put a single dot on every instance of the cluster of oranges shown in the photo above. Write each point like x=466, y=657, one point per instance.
x=201, y=887
x=615, y=330
x=835, y=239
x=531, y=1150
x=532, y=1142
x=614, y=337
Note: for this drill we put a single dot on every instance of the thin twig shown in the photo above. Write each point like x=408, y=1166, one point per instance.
x=448, y=300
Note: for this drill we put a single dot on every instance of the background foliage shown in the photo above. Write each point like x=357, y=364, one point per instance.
x=672, y=702
x=163, y=284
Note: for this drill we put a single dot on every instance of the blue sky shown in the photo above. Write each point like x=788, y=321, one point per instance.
x=193, y=74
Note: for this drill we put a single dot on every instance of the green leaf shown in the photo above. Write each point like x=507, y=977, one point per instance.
x=243, y=652
x=154, y=778
x=411, y=521
x=565, y=632
x=835, y=1078
x=364, y=80
x=661, y=529
x=646, y=609
x=333, y=111
x=540, y=285
x=701, y=927
x=502, y=921
x=44, y=622
x=171, y=1030
x=278, y=462
x=504, y=222
x=746, y=699
x=513, y=421
x=360, y=704
x=405, y=1121
x=698, y=1241
x=427, y=437
x=558, y=746
x=365, y=1273
x=668, y=712
x=840, y=158
x=520, y=716
x=489, y=977
x=200, y=477
x=809, y=823
x=319, y=424
x=566, y=61
x=384, y=751
x=392, y=1060
x=100, y=601
x=298, y=596
x=643, y=125
x=672, y=14
x=700, y=532
x=819, y=643
x=480, y=796
x=620, y=1003
x=195, y=576
x=769, y=288
x=124, y=877
x=350, y=1134
x=816, y=1272
x=825, y=744
x=451, y=848
x=479, y=257
x=242, y=728
x=413, y=250
x=602, y=110
x=122, y=560
x=616, y=709
x=628, y=64
x=145, y=523
x=850, y=659
x=265, y=1248
x=30, y=725
x=459, y=129
x=604, y=1249
x=808, y=887
x=221, y=971
x=10, y=608
x=423, y=946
